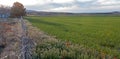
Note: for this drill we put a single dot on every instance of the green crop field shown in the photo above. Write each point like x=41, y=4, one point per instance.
x=96, y=32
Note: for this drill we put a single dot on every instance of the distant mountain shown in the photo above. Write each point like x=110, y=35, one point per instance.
x=43, y=13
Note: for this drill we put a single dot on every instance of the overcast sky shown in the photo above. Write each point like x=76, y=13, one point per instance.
x=77, y=6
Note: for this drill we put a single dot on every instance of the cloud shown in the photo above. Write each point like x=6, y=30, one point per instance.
x=52, y=4
x=108, y=2
x=76, y=9
x=62, y=1
x=84, y=0
x=25, y=2
x=75, y=5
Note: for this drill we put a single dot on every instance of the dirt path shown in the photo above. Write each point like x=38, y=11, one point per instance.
x=26, y=43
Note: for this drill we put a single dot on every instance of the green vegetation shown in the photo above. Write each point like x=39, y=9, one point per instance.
x=65, y=50
x=101, y=33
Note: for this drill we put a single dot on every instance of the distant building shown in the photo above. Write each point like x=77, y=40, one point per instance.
x=4, y=12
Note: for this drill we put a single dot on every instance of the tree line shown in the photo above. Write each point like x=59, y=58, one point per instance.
x=16, y=11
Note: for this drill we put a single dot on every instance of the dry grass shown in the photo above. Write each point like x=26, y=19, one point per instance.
x=9, y=38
